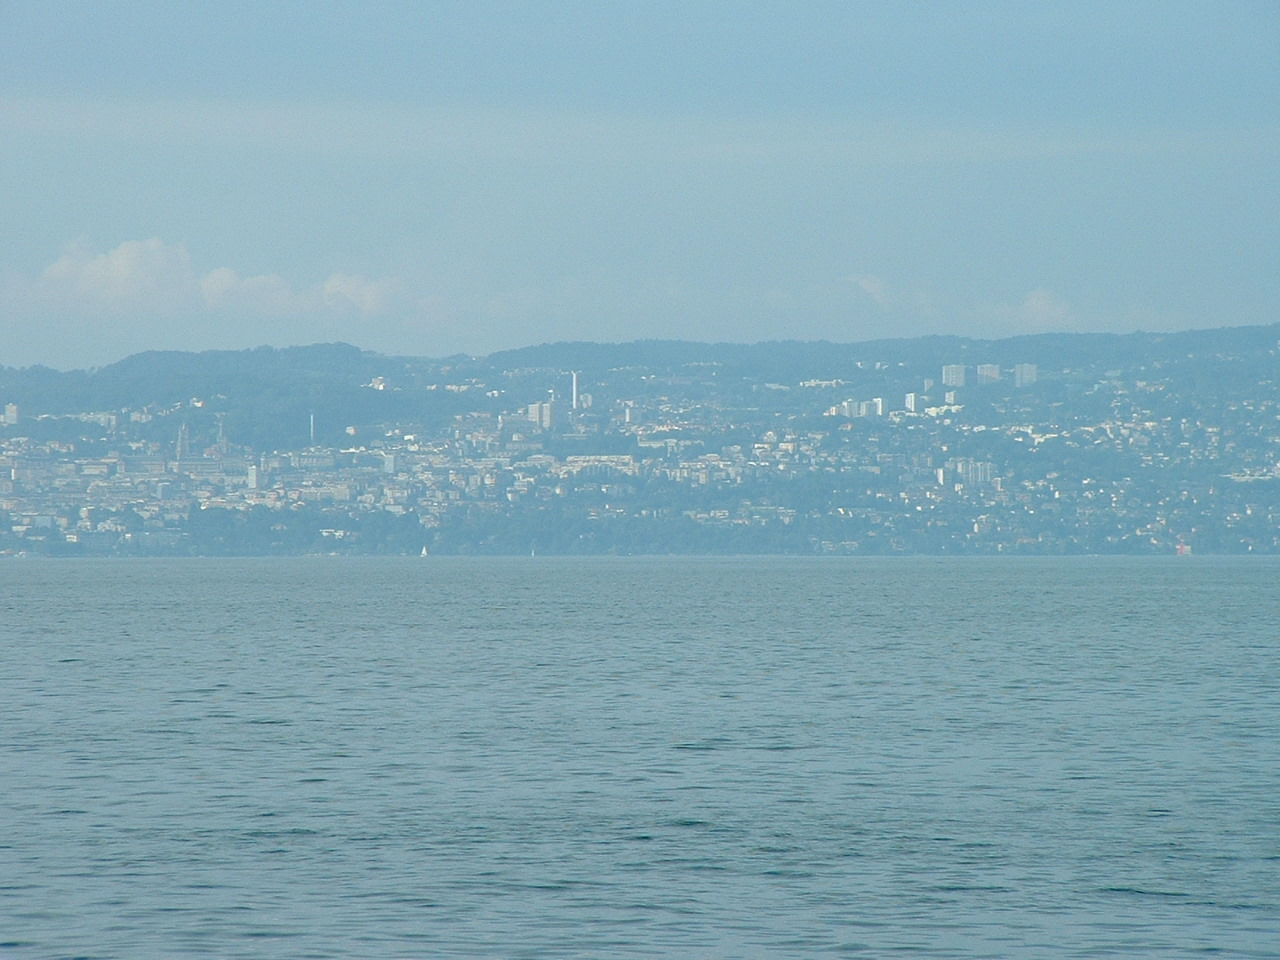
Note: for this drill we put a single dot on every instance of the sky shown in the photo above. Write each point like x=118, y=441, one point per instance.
x=433, y=178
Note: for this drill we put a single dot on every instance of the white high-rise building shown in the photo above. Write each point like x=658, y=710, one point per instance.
x=543, y=414
x=1024, y=374
x=953, y=375
x=988, y=372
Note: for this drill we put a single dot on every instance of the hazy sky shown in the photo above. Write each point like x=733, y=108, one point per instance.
x=428, y=178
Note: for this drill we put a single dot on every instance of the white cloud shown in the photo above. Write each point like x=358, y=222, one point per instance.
x=344, y=291
x=138, y=274
x=1040, y=311
x=916, y=308
x=268, y=294
x=874, y=288
x=90, y=307
x=155, y=278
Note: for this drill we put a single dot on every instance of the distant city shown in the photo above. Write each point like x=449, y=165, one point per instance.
x=1162, y=444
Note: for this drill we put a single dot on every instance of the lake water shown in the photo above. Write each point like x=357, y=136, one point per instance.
x=639, y=758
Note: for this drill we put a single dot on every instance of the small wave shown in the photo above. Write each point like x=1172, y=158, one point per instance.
x=1141, y=892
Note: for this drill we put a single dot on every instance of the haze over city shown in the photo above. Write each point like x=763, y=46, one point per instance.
x=426, y=179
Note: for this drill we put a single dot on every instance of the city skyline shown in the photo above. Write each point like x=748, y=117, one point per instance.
x=1036, y=445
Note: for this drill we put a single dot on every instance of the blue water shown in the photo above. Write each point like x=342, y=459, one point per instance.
x=639, y=758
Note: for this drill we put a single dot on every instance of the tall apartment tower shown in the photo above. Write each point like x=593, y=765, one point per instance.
x=1024, y=374
x=543, y=414
x=988, y=372
x=953, y=375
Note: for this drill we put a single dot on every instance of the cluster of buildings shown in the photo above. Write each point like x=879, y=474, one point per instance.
x=972, y=459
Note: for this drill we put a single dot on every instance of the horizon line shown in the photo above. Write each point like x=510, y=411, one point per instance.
x=1037, y=335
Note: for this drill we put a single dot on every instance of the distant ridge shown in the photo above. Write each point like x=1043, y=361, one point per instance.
x=822, y=356
x=319, y=374
x=344, y=357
